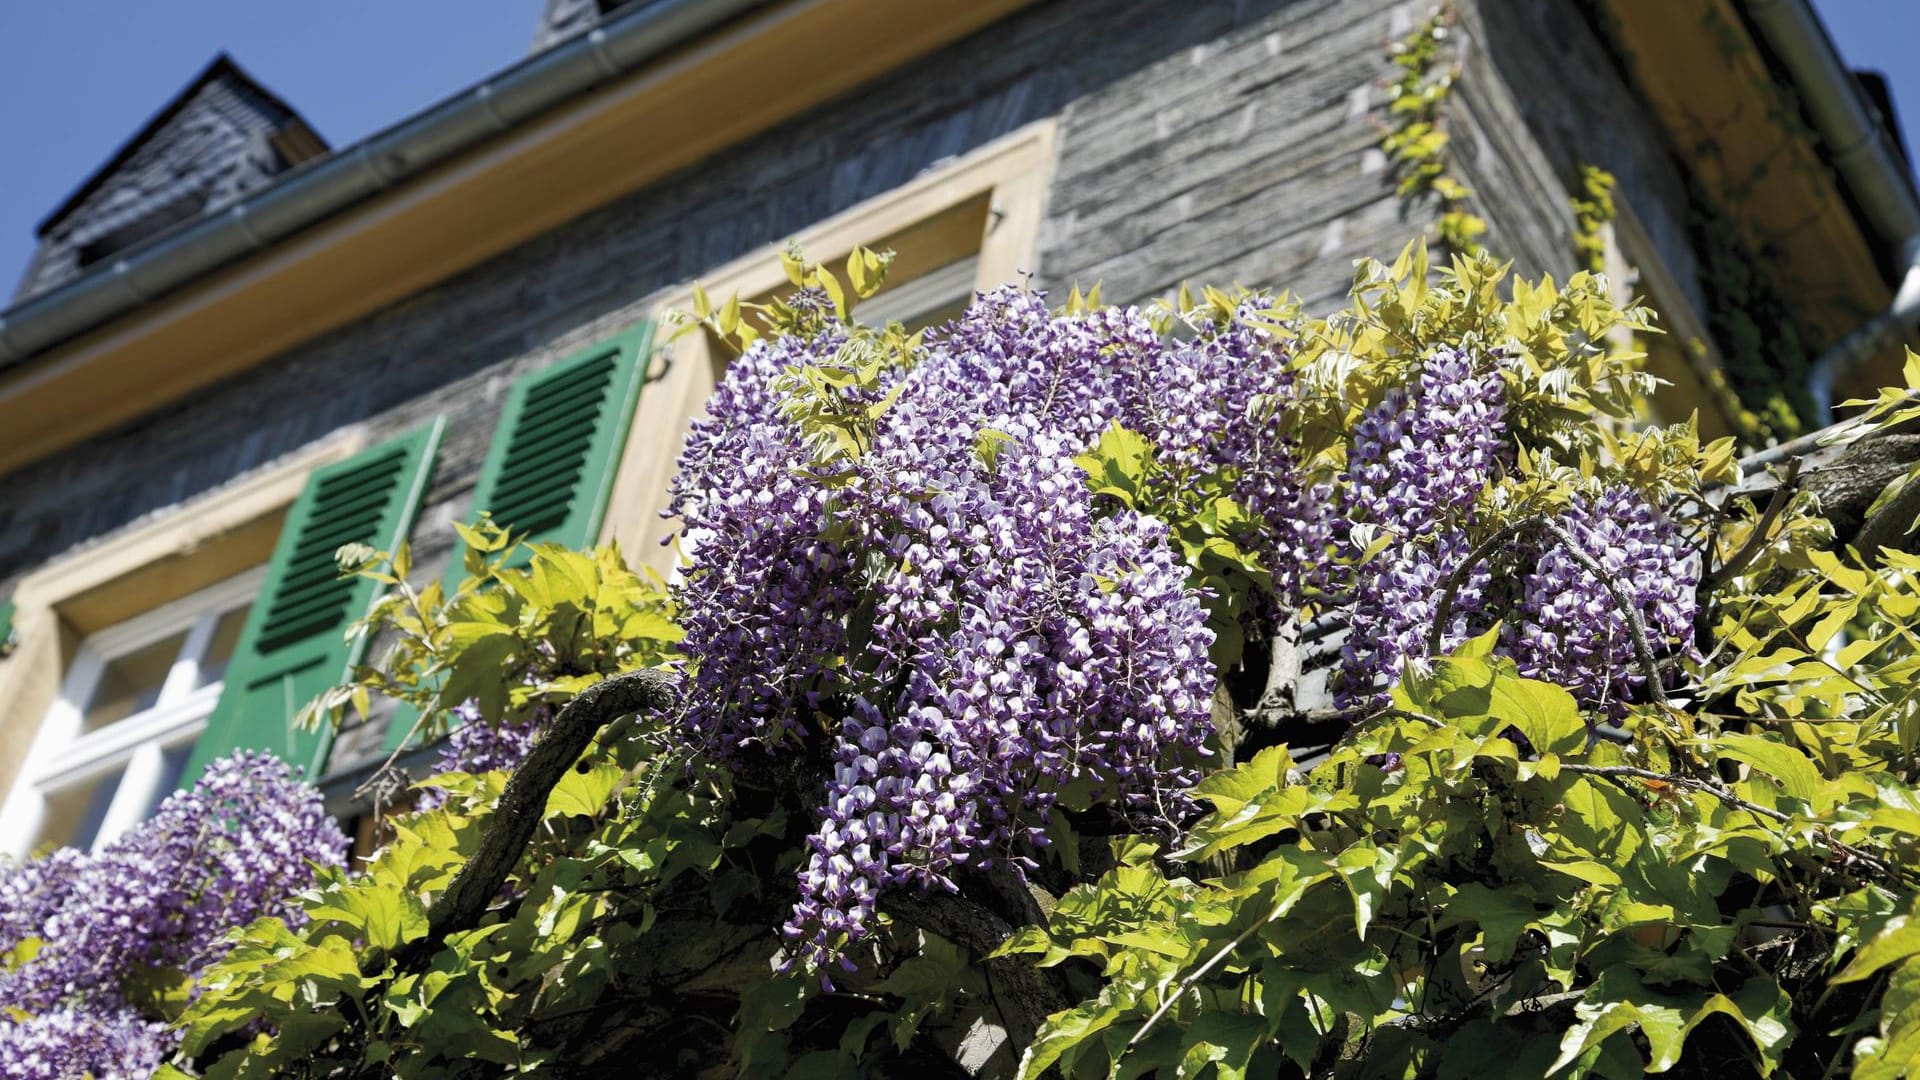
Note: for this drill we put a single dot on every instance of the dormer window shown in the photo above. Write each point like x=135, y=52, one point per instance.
x=220, y=138
x=151, y=223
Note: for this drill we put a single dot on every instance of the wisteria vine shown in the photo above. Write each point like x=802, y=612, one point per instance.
x=895, y=557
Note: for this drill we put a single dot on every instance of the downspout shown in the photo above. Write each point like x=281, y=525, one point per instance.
x=1867, y=339
x=1875, y=176
x=311, y=193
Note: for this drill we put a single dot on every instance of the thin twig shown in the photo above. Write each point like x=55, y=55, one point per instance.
x=1762, y=530
x=1180, y=989
x=1727, y=796
x=1642, y=651
x=1636, y=628
x=1481, y=551
x=382, y=779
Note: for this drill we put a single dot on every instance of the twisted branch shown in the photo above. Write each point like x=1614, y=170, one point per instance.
x=460, y=906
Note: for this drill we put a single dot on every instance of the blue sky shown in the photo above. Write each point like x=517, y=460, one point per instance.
x=77, y=78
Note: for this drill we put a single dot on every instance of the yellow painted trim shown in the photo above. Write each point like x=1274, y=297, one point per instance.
x=1011, y=174
x=194, y=545
x=1631, y=251
x=1708, y=85
x=742, y=80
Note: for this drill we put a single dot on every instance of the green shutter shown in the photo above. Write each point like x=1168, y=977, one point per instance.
x=293, y=645
x=549, y=470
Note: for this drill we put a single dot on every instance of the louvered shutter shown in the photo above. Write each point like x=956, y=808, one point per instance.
x=293, y=645
x=549, y=470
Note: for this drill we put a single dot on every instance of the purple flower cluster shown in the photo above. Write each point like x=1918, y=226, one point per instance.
x=1417, y=462
x=1396, y=600
x=1221, y=403
x=237, y=846
x=475, y=746
x=970, y=631
x=69, y=1042
x=765, y=605
x=1570, y=631
x=1421, y=456
x=898, y=566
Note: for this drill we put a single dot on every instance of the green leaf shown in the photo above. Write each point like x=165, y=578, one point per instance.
x=1547, y=715
x=585, y=788
x=162, y=992
x=1502, y=915
x=1794, y=770
x=1224, y=1040
x=1064, y=1031
x=1896, y=942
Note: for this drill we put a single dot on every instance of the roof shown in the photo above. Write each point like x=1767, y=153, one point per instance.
x=221, y=68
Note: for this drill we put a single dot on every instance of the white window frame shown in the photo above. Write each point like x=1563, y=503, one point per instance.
x=65, y=755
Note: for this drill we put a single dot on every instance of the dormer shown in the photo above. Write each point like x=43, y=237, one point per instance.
x=566, y=18
x=221, y=137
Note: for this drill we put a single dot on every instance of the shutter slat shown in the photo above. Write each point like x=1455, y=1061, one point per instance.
x=561, y=429
x=587, y=384
x=534, y=454
x=293, y=644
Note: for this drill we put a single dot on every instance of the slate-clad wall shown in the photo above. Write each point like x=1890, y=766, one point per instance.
x=1218, y=140
x=1250, y=159
x=1538, y=97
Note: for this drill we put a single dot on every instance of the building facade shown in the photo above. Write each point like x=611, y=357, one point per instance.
x=238, y=349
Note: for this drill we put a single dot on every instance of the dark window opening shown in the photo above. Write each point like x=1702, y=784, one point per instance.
x=152, y=223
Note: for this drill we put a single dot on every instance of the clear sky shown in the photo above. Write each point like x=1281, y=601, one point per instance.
x=77, y=77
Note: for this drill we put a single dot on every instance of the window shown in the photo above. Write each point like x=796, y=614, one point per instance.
x=969, y=224
x=134, y=608
x=134, y=699
x=928, y=300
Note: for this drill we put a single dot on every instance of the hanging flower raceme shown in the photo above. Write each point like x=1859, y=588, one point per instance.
x=971, y=632
x=235, y=847
x=1418, y=463
x=1570, y=631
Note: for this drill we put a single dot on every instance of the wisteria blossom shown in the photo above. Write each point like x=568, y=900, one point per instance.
x=935, y=594
x=1002, y=636
x=237, y=846
x=1570, y=632
x=1417, y=463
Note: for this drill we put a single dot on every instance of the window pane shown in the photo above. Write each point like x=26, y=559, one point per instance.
x=131, y=683
x=941, y=315
x=173, y=765
x=226, y=636
x=74, y=813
